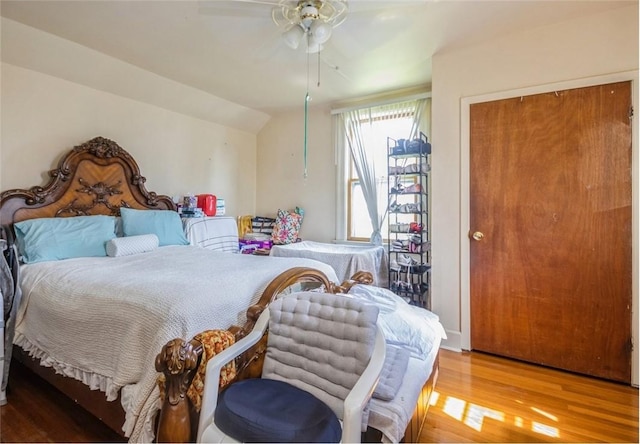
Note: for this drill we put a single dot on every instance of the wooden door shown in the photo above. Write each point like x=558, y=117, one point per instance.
x=550, y=191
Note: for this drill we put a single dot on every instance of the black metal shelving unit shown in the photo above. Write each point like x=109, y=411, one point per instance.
x=409, y=223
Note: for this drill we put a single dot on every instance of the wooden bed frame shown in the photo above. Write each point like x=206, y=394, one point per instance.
x=99, y=177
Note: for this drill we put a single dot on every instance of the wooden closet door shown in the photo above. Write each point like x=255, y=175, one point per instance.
x=551, y=196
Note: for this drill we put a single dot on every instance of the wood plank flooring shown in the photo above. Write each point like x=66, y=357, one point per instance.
x=480, y=398
x=484, y=398
x=37, y=412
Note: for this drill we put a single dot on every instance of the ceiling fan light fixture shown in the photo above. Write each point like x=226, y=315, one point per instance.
x=293, y=36
x=315, y=18
x=308, y=15
x=320, y=31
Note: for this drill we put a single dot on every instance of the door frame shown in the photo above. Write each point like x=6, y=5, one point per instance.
x=465, y=242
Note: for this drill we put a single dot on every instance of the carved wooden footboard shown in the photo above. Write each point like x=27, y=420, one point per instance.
x=179, y=359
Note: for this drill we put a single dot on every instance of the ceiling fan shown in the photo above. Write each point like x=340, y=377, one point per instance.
x=308, y=26
x=311, y=21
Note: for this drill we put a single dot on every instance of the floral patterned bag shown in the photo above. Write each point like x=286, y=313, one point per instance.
x=287, y=226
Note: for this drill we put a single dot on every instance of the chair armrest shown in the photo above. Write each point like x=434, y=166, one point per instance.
x=362, y=391
x=215, y=364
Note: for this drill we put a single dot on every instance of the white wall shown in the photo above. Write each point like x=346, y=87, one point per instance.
x=43, y=117
x=48, y=107
x=591, y=46
x=281, y=182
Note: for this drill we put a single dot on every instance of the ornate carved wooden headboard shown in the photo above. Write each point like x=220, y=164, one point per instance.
x=97, y=177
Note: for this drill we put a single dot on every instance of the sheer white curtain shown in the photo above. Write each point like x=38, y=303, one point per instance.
x=365, y=166
x=362, y=134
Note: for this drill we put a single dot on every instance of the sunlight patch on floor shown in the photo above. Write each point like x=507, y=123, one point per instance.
x=454, y=407
x=544, y=429
x=476, y=414
x=473, y=415
x=545, y=414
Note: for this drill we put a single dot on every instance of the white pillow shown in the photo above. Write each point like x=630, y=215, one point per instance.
x=125, y=246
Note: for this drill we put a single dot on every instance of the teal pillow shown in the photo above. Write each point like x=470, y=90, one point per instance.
x=55, y=238
x=165, y=224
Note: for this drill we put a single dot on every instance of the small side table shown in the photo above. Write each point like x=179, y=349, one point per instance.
x=346, y=260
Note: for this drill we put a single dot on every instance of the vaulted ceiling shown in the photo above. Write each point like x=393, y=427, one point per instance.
x=233, y=50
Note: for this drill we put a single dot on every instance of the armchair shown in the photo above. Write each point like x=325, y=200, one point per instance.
x=323, y=360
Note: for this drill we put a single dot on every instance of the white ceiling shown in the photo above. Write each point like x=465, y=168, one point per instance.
x=232, y=49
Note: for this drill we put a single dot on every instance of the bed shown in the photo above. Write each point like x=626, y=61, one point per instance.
x=88, y=341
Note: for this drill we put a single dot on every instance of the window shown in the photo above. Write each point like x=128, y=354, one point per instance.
x=372, y=126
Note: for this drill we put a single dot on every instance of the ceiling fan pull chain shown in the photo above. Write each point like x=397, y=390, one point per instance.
x=306, y=118
x=306, y=114
x=318, y=69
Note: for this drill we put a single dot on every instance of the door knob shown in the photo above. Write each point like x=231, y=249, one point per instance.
x=477, y=235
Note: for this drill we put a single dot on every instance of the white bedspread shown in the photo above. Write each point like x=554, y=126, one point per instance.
x=345, y=259
x=103, y=320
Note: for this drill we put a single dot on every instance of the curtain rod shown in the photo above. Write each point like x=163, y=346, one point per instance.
x=425, y=95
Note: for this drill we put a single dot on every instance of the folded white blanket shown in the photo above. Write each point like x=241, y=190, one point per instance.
x=405, y=325
x=393, y=370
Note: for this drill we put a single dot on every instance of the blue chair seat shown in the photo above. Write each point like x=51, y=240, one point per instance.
x=293, y=415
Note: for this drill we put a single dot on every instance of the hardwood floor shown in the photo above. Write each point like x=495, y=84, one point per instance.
x=484, y=398
x=37, y=412
x=480, y=398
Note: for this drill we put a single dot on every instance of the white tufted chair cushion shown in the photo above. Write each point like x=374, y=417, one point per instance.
x=320, y=343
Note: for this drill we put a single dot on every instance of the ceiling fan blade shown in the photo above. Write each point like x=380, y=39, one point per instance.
x=236, y=8
x=256, y=2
